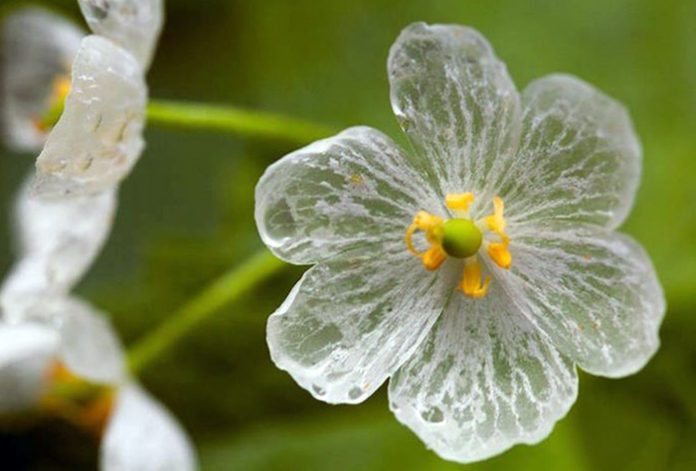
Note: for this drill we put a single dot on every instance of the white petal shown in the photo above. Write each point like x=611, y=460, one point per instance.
x=579, y=158
x=143, y=436
x=134, y=25
x=38, y=47
x=347, y=326
x=484, y=380
x=98, y=138
x=457, y=103
x=26, y=351
x=351, y=191
x=89, y=346
x=25, y=340
x=593, y=292
x=57, y=240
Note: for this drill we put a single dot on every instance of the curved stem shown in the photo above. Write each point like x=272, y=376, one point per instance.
x=234, y=120
x=226, y=289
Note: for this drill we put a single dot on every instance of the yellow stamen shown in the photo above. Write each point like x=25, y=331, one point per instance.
x=92, y=416
x=58, y=372
x=96, y=415
x=55, y=105
x=85, y=404
x=496, y=221
x=471, y=284
x=431, y=226
x=409, y=238
x=459, y=201
x=61, y=88
x=498, y=251
x=433, y=258
x=500, y=254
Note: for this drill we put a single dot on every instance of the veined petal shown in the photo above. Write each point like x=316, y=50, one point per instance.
x=89, y=346
x=457, y=103
x=593, y=292
x=484, y=380
x=26, y=351
x=98, y=138
x=579, y=158
x=143, y=436
x=348, y=325
x=351, y=191
x=57, y=240
x=134, y=25
x=38, y=47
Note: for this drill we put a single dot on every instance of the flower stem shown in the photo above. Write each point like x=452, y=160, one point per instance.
x=234, y=120
x=224, y=290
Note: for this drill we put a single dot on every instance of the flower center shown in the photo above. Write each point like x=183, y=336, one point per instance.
x=85, y=404
x=462, y=238
x=55, y=105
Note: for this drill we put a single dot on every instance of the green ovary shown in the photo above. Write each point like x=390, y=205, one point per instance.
x=461, y=238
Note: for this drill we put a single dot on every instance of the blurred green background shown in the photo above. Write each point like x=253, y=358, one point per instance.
x=186, y=215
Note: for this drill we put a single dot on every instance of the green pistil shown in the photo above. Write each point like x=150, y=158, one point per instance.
x=461, y=238
x=52, y=115
x=75, y=390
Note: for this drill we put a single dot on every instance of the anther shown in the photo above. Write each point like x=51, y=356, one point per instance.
x=500, y=254
x=471, y=284
x=459, y=201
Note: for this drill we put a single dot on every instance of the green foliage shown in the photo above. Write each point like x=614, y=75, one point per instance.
x=186, y=216
x=368, y=440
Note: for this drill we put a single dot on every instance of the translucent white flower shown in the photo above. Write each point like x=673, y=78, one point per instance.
x=38, y=48
x=477, y=270
x=96, y=119
x=51, y=342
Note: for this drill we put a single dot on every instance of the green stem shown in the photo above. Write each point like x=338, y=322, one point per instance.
x=226, y=289
x=234, y=120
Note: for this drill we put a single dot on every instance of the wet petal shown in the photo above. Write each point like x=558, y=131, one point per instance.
x=26, y=351
x=89, y=346
x=579, y=158
x=98, y=138
x=484, y=380
x=594, y=293
x=457, y=103
x=38, y=48
x=351, y=191
x=143, y=436
x=57, y=240
x=347, y=326
x=134, y=25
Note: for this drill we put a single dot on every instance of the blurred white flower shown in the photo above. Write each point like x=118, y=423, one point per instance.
x=57, y=353
x=95, y=119
x=477, y=270
x=51, y=342
x=57, y=241
x=134, y=25
x=68, y=362
x=38, y=48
